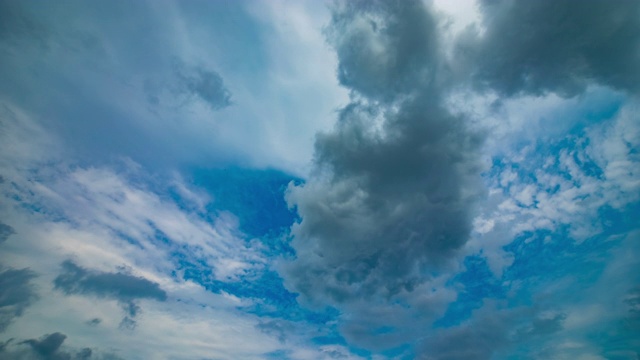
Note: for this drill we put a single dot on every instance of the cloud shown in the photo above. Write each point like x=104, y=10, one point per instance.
x=554, y=46
x=163, y=98
x=17, y=28
x=16, y=294
x=121, y=286
x=172, y=241
x=395, y=183
x=206, y=84
x=385, y=49
x=385, y=216
x=559, y=307
x=5, y=232
x=493, y=330
x=124, y=288
x=49, y=347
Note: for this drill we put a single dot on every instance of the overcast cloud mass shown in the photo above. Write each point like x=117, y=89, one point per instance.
x=435, y=180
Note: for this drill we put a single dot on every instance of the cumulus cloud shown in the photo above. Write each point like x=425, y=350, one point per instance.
x=16, y=294
x=135, y=240
x=395, y=181
x=554, y=46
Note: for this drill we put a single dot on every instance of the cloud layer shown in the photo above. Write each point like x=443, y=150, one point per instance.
x=396, y=180
x=302, y=180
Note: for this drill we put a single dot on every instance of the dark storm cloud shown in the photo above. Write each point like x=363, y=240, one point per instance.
x=124, y=288
x=395, y=183
x=555, y=45
x=5, y=232
x=16, y=294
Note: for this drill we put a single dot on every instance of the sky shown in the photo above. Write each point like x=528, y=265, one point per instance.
x=434, y=180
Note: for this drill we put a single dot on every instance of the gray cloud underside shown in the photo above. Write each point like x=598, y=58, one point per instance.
x=124, y=288
x=77, y=280
x=5, y=232
x=395, y=185
x=16, y=294
x=49, y=347
x=492, y=331
x=396, y=181
x=554, y=46
x=207, y=84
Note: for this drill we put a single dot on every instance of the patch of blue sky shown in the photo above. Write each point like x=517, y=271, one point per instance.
x=540, y=258
x=564, y=124
x=26, y=200
x=543, y=257
x=545, y=155
x=186, y=261
x=522, y=170
x=256, y=197
x=477, y=283
x=159, y=236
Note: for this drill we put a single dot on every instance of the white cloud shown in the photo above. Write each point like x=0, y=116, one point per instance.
x=537, y=191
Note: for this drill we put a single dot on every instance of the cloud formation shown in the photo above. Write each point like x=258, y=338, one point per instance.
x=206, y=84
x=534, y=47
x=493, y=332
x=124, y=288
x=49, y=347
x=75, y=279
x=5, y=232
x=395, y=183
x=16, y=294
x=399, y=251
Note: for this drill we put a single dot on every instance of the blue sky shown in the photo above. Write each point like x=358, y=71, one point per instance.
x=434, y=180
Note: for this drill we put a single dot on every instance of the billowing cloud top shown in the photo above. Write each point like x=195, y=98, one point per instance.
x=306, y=180
x=398, y=176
